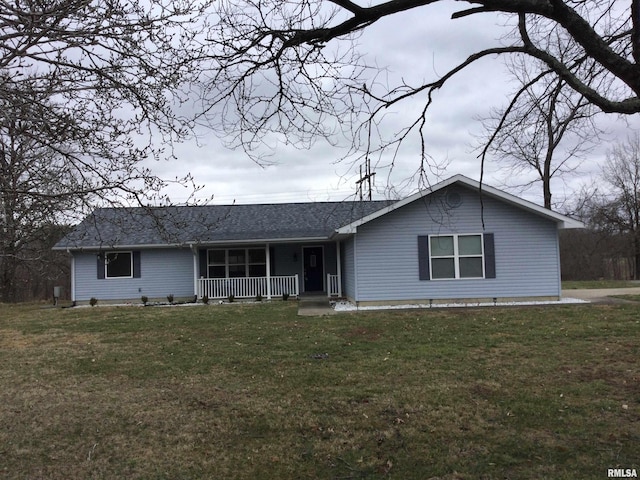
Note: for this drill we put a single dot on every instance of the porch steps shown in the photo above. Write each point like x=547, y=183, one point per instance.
x=314, y=305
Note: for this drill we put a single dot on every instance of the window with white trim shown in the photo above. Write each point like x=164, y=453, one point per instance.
x=118, y=265
x=456, y=256
x=236, y=262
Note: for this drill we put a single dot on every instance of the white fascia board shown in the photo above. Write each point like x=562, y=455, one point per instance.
x=353, y=227
x=562, y=220
x=572, y=224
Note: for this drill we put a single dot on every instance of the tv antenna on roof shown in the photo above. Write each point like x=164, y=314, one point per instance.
x=365, y=178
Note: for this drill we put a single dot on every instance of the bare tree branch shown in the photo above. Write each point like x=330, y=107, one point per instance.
x=291, y=71
x=89, y=90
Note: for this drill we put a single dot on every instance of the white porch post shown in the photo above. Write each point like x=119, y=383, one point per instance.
x=339, y=268
x=73, y=278
x=268, y=255
x=194, y=251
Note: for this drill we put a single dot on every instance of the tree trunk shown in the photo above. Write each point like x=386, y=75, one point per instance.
x=8, y=268
x=546, y=191
x=636, y=250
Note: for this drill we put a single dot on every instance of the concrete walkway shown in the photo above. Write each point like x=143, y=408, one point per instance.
x=314, y=306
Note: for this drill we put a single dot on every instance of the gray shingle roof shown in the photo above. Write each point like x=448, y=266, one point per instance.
x=113, y=227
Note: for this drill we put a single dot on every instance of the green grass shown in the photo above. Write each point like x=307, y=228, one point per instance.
x=632, y=298
x=591, y=284
x=240, y=391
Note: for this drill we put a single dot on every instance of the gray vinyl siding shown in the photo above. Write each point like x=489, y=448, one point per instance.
x=526, y=246
x=348, y=268
x=163, y=272
x=330, y=258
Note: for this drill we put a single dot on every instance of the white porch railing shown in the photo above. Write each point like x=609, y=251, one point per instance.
x=333, y=285
x=248, y=287
x=285, y=284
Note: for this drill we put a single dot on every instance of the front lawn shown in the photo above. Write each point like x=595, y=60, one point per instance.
x=254, y=391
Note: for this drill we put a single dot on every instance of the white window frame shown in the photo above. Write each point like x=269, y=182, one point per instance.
x=247, y=263
x=456, y=256
x=106, y=264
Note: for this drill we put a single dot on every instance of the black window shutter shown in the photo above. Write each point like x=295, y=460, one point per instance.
x=101, y=266
x=137, y=271
x=489, y=256
x=202, y=263
x=423, y=257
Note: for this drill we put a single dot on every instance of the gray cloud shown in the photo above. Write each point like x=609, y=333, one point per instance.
x=416, y=46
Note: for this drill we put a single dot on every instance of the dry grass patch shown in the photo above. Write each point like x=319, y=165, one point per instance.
x=581, y=284
x=256, y=392
x=630, y=298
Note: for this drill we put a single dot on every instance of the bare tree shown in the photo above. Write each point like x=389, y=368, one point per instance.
x=293, y=69
x=600, y=251
x=30, y=194
x=546, y=130
x=618, y=211
x=89, y=90
x=106, y=76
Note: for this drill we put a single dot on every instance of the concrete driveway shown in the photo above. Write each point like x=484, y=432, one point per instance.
x=601, y=295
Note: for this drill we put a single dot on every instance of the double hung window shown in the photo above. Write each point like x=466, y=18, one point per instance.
x=456, y=256
x=236, y=262
x=118, y=265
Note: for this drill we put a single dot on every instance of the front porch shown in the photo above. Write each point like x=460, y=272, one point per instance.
x=268, y=270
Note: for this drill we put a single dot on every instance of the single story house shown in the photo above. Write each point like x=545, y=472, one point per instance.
x=458, y=240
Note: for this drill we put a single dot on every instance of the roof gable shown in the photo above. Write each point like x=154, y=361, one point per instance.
x=562, y=220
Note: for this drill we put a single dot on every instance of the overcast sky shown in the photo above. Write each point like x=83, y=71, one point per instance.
x=417, y=45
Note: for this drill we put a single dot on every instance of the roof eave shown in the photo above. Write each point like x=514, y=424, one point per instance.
x=563, y=221
x=571, y=224
x=353, y=226
x=93, y=248
x=261, y=240
x=193, y=243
